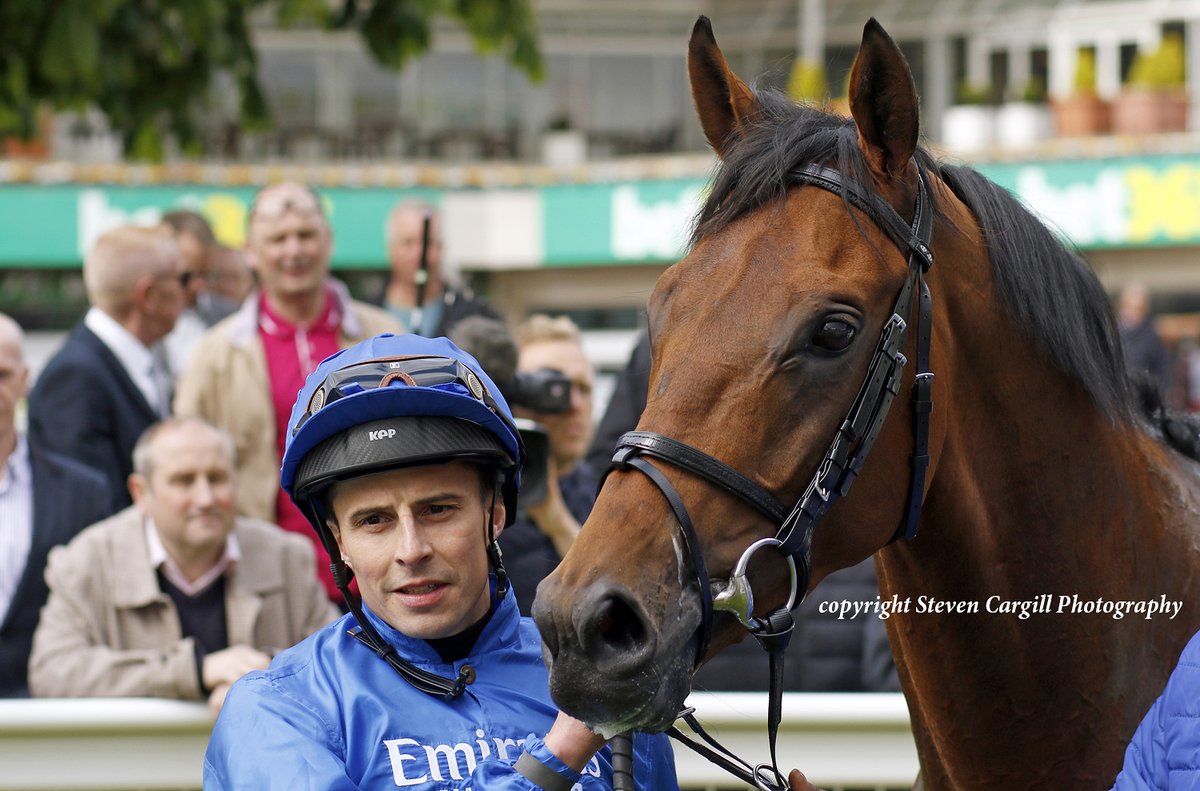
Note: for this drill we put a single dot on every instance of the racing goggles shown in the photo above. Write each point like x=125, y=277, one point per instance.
x=441, y=373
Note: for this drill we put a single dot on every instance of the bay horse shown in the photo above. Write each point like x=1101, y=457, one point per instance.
x=1044, y=475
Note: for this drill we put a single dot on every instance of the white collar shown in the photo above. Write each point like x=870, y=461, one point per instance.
x=159, y=559
x=135, y=357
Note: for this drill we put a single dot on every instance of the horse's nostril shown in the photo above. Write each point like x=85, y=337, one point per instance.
x=612, y=631
x=619, y=626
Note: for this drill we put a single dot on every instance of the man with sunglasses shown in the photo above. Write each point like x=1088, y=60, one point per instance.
x=110, y=380
x=405, y=459
x=199, y=250
x=244, y=374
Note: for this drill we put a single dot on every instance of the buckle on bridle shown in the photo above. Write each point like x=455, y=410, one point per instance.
x=737, y=597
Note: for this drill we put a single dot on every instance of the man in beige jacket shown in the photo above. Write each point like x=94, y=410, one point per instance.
x=244, y=374
x=175, y=596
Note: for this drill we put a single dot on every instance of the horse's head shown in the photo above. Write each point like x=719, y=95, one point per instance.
x=762, y=337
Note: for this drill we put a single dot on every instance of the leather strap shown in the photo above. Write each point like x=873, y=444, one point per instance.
x=690, y=540
x=922, y=405
x=907, y=237
x=700, y=463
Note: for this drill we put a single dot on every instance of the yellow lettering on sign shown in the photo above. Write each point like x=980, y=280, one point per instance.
x=227, y=216
x=1164, y=204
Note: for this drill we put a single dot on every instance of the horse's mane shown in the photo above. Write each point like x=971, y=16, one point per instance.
x=1049, y=290
x=1045, y=287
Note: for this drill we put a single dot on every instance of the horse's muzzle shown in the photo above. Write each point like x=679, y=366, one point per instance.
x=603, y=651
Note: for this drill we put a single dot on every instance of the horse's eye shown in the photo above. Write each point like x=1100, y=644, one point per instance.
x=834, y=335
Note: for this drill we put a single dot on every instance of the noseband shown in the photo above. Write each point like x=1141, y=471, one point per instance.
x=837, y=470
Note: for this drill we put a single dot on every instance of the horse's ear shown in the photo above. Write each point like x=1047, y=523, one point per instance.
x=723, y=101
x=883, y=101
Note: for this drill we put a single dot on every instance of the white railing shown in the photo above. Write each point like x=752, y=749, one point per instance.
x=838, y=740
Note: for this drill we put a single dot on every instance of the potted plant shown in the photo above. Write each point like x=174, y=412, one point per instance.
x=968, y=125
x=1083, y=113
x=1026, y=119
x=1154, y=98
x=562, y=144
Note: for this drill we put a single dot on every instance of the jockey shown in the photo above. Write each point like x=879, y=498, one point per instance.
x=404, y=457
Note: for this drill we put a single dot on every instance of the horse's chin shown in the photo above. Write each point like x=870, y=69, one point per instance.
x=647, y=701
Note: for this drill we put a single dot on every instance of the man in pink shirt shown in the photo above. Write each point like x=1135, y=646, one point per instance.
x=245, y=373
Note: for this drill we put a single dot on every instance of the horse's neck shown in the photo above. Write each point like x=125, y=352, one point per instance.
x=1050, y=499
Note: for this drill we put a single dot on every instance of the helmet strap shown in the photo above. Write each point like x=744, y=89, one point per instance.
x=495, y=556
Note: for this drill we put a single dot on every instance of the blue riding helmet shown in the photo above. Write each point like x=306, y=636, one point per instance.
x=392, y=401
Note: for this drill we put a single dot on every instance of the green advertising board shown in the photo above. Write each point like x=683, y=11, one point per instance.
x=52, y=226
x=1150, y=201
x=631, y=222
x=1114, y=203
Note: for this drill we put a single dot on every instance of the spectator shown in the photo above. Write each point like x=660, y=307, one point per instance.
x=198, y=250
x=110, y=379
x=45, y=499
x=544, y=531
x=406, y=459
x=1165, y=750
x=231, y=276
x=175, y=596
x=1145, y=353
x=424, y=302
x=244, y=374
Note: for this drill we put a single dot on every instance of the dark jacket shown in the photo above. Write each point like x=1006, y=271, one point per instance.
x=67, y=497
x=625, y=407
x=86, y=407
x=457, y=304
x=529, y=555
x=824, y=654
x=1145, y=353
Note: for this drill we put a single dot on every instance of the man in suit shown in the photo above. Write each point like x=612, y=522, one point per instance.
x=45, y=499
x=109, y=381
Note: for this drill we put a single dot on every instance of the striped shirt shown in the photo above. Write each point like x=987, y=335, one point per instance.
x=16, y=522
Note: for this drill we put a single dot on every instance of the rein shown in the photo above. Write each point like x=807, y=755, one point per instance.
x=832, y=480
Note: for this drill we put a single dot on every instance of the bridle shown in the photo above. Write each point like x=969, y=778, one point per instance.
x=834, y=475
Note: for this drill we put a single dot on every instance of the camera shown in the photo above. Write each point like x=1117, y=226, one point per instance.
x=535, y=473
x=545, y=390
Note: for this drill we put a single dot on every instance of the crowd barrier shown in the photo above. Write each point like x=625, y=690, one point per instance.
x=841, y=741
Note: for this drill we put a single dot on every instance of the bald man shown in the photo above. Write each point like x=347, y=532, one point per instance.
x=423, y=301
x=45, y=499
x=244, y=374
x=110, y=380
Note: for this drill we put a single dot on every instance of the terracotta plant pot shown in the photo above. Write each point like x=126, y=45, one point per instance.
x=1141, y=111
x=1082, y=115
